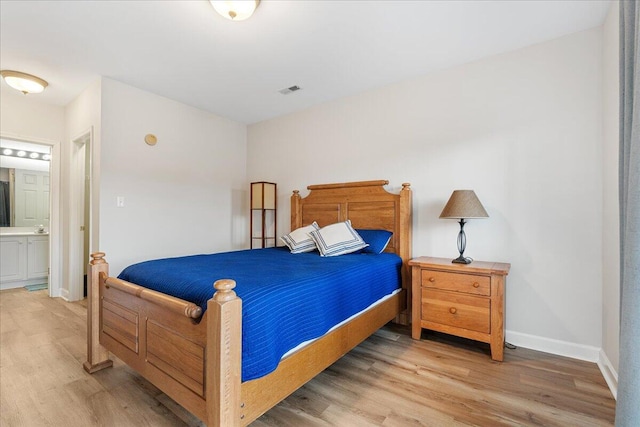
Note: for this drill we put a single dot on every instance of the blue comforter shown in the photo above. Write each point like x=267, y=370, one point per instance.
x=286, y=299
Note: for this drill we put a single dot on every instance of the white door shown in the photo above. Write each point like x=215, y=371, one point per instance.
x=31, y=198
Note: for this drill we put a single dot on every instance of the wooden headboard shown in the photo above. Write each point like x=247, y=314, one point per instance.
x=368, y=205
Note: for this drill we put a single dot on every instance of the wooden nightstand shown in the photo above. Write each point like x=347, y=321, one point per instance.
x=466, y=300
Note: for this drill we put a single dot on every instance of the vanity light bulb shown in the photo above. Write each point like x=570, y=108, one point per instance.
x=21, y=153
x=7, y=151
x=46, y=157
x=34, y=155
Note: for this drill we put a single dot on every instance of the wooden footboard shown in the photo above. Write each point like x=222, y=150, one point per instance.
x=193, y=359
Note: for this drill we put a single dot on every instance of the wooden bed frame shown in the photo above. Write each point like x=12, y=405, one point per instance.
x=196, y=359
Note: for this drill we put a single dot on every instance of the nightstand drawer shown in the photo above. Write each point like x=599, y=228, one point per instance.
x=460, y=311
x=467, y=283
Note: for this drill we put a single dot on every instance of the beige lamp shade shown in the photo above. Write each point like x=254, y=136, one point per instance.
x=263, y=195
x=464, y=204
x=263, y=227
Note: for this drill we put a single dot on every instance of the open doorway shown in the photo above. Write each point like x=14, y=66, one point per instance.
x=80, y=215
x=29, y=214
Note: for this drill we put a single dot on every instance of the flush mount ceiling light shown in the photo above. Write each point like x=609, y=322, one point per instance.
x=25, y=83
x=235, y=10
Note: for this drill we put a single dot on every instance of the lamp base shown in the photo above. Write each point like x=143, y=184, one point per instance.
x=462, y=243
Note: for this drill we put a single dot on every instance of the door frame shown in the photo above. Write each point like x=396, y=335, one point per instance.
x=81, y=147
x=55, y=226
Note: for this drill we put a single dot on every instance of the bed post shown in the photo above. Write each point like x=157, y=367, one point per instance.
x=97, y=355
x=405, y=223
x=296, y=214
x=405, y=227
x=224, y=356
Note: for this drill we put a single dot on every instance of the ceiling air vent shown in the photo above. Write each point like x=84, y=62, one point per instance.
x=289, y=90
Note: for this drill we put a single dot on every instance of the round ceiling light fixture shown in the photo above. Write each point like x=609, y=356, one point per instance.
x=25, y=83
x=235, y=10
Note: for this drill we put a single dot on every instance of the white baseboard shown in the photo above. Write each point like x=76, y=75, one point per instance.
x=610, y=375
x=64, y=294
x=11, y=285
x=54, y=292
x=548, y=345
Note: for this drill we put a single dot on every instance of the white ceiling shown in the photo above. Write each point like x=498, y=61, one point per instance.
x=185, y=51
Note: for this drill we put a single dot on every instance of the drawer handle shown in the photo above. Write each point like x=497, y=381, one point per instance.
x=432, y=279
x=476, y=284
x=453, y=310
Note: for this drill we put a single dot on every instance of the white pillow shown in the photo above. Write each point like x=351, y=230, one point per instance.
x=299, y=240
x=337, y=239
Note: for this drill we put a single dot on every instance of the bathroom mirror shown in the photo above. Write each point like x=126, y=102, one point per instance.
x=24, y=184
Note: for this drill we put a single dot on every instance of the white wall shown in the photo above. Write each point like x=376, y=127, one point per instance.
x=25, y=117
x=82, y=115
x=185, y=195
x=522, y=129
x=611, y=212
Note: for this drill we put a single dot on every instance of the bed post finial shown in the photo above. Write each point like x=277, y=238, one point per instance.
x=224, y=290
x=97, y=258
x=97, y=355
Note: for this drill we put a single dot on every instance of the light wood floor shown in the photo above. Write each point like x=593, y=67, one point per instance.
x=389, y=380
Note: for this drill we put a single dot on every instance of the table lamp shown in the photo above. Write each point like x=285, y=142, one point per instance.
x=463, y=204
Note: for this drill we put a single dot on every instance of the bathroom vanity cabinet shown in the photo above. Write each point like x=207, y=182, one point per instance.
x=24, y=259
